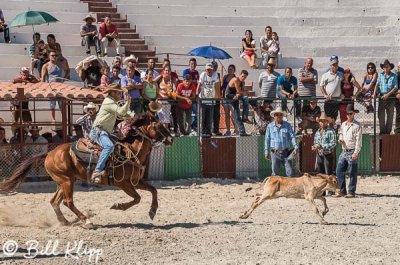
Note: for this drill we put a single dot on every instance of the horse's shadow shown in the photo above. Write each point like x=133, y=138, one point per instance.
x=169, y=226
x=374, y=195
x=341, y=224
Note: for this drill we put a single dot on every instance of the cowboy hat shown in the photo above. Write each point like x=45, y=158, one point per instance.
x=154, y=106
x=90, y=105
x=271, y=61
x=130, y=58
x=323, y=117
x=114, y=87
x=57, y=128
x=278, y=110
x=386, y=62
x=89, y=16
x=33, y=128
x=350, y=109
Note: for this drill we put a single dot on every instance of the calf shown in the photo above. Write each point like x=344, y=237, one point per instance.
x=305, y=187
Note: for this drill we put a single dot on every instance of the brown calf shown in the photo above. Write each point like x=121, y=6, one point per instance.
x=305, y=187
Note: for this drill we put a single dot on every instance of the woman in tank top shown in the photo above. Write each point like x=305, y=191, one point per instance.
x=348, y=97
x=166, y=92
x=368, y=85
x=226, y=103
x=150, y=91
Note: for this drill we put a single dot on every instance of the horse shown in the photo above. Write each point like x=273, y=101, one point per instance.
x=64, y=168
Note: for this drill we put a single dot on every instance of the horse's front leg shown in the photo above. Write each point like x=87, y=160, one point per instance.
x=143, y=185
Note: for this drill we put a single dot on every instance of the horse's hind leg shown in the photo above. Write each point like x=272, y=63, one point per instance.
x=68, y=189
x=143, y=185
x=55, y=203
x=130, y=190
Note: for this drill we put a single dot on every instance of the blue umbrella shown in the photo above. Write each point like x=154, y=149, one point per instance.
x=210, y=52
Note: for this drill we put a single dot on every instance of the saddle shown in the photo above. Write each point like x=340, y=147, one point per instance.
x=86, y=151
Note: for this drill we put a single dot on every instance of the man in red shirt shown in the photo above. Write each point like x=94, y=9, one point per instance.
x=186, y=92
x=109, y=35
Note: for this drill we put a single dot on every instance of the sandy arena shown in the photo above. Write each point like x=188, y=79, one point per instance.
x=199, y=224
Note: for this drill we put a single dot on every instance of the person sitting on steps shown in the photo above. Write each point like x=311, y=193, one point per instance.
x=104, y=124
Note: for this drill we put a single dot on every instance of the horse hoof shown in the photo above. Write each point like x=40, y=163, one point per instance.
x=66, y=223
x=152, y=214
x=115, y=206
x=243, y=216
x=88, y=226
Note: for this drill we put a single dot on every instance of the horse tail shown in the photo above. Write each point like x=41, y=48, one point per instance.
x=19, y=174
x=259, y=185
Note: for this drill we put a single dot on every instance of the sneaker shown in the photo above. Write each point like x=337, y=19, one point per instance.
x=96, y=176
x=87, y=52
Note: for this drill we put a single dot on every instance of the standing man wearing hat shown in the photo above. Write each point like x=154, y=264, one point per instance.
x=89, y=35
x=280, y=143
x=386, y=87
x=109, y=35
x=331, y=88
x=268, y=80
x=130, y=61
x=350, y=136
x=86, y=121
x=36, y=138
x=324, y=145
x=104, y=125
x=206, y=90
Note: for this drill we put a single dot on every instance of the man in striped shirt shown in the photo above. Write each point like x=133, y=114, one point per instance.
x=280, y=143
x=86, y=121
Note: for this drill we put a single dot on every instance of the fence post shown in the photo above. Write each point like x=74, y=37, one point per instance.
x=374, y=141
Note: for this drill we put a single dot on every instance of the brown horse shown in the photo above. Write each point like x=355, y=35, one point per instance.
x=65, y=169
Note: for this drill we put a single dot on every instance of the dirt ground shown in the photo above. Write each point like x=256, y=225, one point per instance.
x=197, y=223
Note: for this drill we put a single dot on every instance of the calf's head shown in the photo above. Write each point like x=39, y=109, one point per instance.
x=332, y=184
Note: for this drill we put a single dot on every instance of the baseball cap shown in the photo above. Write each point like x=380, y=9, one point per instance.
x=209, y=66
x=334, y=59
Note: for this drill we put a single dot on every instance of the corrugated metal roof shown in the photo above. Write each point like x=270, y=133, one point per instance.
x=8, y=90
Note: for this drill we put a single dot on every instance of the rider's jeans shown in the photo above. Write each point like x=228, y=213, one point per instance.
x=102, y=138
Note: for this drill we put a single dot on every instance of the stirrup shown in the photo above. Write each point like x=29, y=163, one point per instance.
x=95, y=180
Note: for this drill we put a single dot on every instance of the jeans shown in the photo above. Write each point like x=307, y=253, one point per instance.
x=325, y=164
x=6, y=33
x=278, y=160
x=346, y=163
x=331, y=108
x=194, y=114
x=245, y=102
x=397, y=113
x=206, y=117
x=236, y=116
x=92, y=41
x=386, y=110
x=184, y=117
x=102, y=138
x=216, y=116
x=296, y=103
x=135, y=106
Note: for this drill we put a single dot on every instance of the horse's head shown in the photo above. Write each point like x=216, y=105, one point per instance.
x=148, y=126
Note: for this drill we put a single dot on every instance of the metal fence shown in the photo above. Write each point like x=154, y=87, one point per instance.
x=226, y=155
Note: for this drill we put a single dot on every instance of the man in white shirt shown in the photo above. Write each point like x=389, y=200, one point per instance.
x=331, y=89
x=264, y=45
x=350, y=136
x=206, y=90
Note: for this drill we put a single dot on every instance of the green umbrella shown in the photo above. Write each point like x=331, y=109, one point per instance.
x=32, y=18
